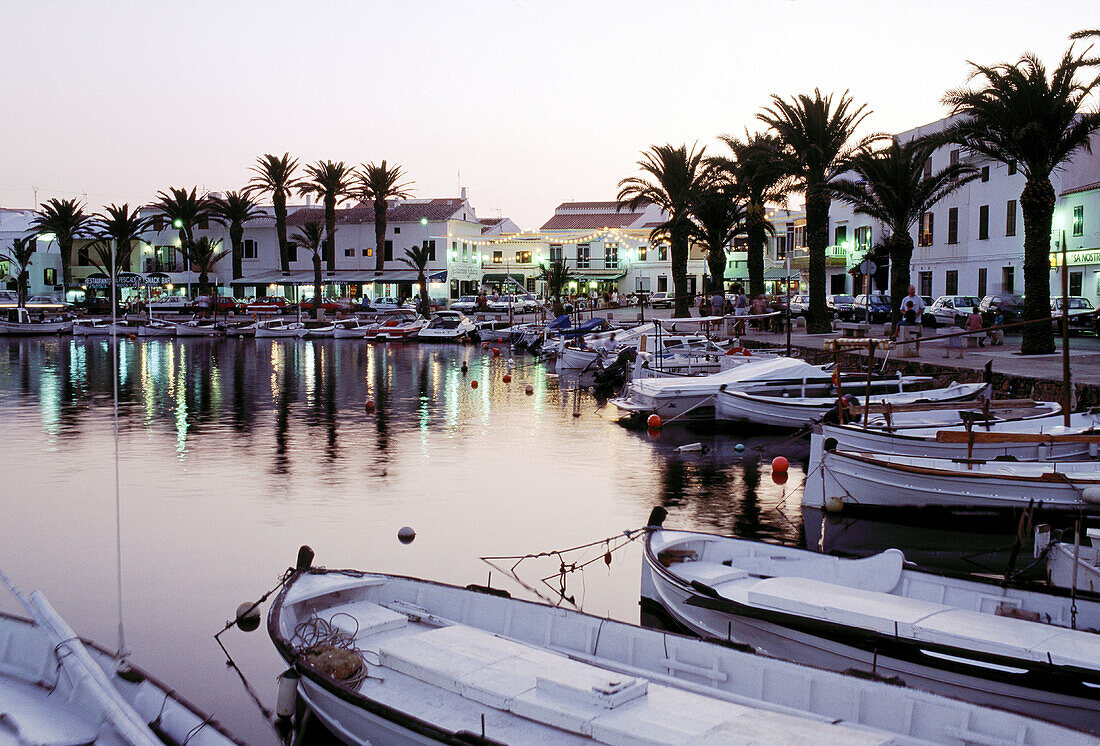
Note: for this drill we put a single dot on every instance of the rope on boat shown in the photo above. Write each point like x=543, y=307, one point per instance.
x=566, y=567
x=331, y=649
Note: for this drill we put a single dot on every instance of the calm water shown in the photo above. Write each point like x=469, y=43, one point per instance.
x=235, y=452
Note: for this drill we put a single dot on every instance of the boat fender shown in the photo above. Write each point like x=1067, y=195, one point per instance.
x=656, y=517
x=305, y=558
x=1091, y=495
x=406, y=534
x=247, y=617
x=834, y=504
x=288, y=694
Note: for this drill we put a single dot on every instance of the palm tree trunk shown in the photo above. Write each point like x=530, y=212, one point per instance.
x=817, y=228
x=1037, y=203
x=317, y=310
x=422, y=278
x=900, y=246
x=330, y=233
x=379, y=234
x=756, y=228
x=679, y=250
x=66, y=248
x=278, y=201
x=236, y=239
x=716, y=262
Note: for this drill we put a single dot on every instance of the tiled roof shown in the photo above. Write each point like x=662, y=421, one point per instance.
x=490, y=221
x=1084, y=188
x=405, y=212
x=591, y=221
x=587, y=206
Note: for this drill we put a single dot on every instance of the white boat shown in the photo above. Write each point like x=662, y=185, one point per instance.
x=316, y=330
x=857, y=479
x=241, y=329
x=793, y=412
x=446, y=326
x=1004, y=647
x=278, y=328
x=198, y=327
x=149, y=328
x=58, y=689
x=91, y=327
x=352, y=328
x=1061, y=557
x=1033, y=438
x=444, y=664
x=19, y=322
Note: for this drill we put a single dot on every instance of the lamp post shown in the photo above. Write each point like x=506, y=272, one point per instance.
x=1066, y=382
x=427, y=239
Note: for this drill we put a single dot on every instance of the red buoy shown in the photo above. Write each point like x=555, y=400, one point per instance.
x=779, y=477
x=506, y=378
x=654, y=421
x=370, y=405
x=529, y=390
x=473, y=384
x=496, y=352
x=780, y=464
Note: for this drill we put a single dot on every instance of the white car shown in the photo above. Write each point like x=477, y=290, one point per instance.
x=465, y=304
x=506, y=302
x=531, y=303
x=661, y=299
x=385, y=304
x=948, y=309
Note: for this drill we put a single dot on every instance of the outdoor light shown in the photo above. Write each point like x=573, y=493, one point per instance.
x=592, y=284
x=273, y=286
x=47, y=237
x=177, y=223
x=168, y=287
x=423, y=221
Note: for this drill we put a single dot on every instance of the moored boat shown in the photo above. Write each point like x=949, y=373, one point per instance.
x=432, y=663
x=199, y=327
x=353, y=328
x=278, y=328
x=446, y=326
x=91, y=327
x=316, y=330
x=19, y=322
x=980, y=641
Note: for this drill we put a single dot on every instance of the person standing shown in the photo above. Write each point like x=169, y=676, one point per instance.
x=916, y=300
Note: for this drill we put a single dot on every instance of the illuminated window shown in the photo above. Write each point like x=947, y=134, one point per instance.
x=1079, y=221
x=498, y=257
x=642, y=253
x=583, y=253
x=924, y=233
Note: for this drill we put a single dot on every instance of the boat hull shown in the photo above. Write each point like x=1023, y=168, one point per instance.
x=35, y=329
x=198, y=330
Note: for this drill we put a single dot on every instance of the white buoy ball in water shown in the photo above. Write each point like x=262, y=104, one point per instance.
x=834, y=504
x=739, y=447
x=406, y=535
x=248, y=616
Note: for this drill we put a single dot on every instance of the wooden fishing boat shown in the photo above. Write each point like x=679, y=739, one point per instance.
x=278, y=328
x=352, y=328
x=792, y=412
x=149, y=328
x=91, y=327
x=19, y=322
x=198, y=327
x=433, y=663
x=316, y=330
x=58, y=689
x=979, y=641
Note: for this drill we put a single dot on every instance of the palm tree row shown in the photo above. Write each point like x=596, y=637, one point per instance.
x=1019, y=116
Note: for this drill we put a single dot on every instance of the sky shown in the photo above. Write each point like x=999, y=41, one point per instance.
x=527, y=104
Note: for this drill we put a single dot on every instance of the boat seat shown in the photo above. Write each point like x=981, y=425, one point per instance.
x=362, y=618
x=709, y=573
x=34, y=718
x=880, y=572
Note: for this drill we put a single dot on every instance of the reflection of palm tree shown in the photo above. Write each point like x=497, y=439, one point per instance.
x=678, y=178
x=67, y=221
x=418, y=257
x=379, y=183
x=274, y=175
x=329, y=181
x=19, y=255
x=234, y=209
x=311, y=236
x=1023, y=118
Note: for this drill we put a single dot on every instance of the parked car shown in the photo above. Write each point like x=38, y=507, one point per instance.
x=1010, y=306
x=272, y=304
x=661, y=299
x=949, y=310
x=800, y=305
x=878, y=305
x=842, y=306
x=531, y=303
x=385, y=304
x=226, y=304
x=465, y=304
x=505, y=302
x=1083, y=316
x=326, y=304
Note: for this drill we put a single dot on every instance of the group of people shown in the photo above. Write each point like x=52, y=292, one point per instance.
x=912, y=313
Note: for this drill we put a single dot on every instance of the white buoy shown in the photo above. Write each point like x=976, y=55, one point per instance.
x=692, y=447
x=406, y=535
x=834, y=504
x=288, y=693
x=248, y=616
x=1091, y=495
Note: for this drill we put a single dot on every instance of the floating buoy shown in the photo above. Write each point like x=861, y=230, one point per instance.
x=248, y=616
x=473, y=384
x=496, y=352
x=288, y=694
x=529, y=390
x=779, y=477
x=506, y=378
x=405, y=534
x=780, y=464
x=484, y=345
x=739, y=447
x=370, y=405
x=654, y=433
x=834, y=504
x=653, y=421
x=464, y=368
x=693, y=447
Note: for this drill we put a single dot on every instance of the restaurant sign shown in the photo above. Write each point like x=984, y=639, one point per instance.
x=1075, y=258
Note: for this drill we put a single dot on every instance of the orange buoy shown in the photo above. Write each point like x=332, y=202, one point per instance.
x=529, y=390
x=370, y=405
x=473, y=384
x=654, y=433
x=506, y=378
x=496, y=352
x=780, y=465
x=484, y=345
x=654, y=421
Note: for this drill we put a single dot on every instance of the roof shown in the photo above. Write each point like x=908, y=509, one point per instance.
x=1084, y=188
x=591, y=220
x=404, y=212
x=591, y=205
x=490, y=221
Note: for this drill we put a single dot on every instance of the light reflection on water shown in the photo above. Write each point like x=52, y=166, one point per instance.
x=235, y=452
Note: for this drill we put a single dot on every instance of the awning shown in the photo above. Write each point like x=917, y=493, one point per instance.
x=778, y=273
x=501, y=277
x=598, y=274
x=438, y=276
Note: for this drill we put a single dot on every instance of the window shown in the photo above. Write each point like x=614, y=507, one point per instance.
x=397, y=230
x=1079, y=221
x=1012, y=168
x=953, y=227
x=840, y=235
x=387, y=250
x=611, y=256
x=523, y=257
x=983, y=222
x=951, y=282
x=158, y=223
x=464, y=250
x=1008, y=279
x=1010, y=218
x=662, y=253
x=954, y=162
x=431, y=250
x=498, y=257
x=927, y=169
x=790, y=238
x=662, y=284
x=291, y=251
x=863, y=237
x=368, y=252
x=583, y=253
x=780, y=247
x=555, y=252
x=837, y=283
x=1076, y=280
x=926, y=284
x=250, y=250
x=985, y=173
x=982, y=282
x=641, y=253
x=924, y=232
x=349, y=252
x=49, y=276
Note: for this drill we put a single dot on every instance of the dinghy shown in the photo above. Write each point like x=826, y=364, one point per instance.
x=58, y=689
x=350, y=329
x=997, y=646
x=198, y=327
x=1061, y=557
x=792, y=412
x=431, y=663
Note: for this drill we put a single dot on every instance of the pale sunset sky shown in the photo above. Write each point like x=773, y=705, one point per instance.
x=533, y=103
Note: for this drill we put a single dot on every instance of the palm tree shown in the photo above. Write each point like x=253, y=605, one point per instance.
x=417, y=258
x=184, y=210
x=234, y=209
x=719, y=216
x=330, y=182
x=67, y=221
x=20, y=254
x=379, y=183
x=760, y=182
x=1021, y=116
x=116, y=229
x=275, y=176
x=556, y=275
x=312, y=236
x=892, y=188
x=679, y=178
x=814, y=150
x=204, y=254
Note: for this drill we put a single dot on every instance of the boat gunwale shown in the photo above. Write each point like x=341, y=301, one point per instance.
x=1053, y=477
